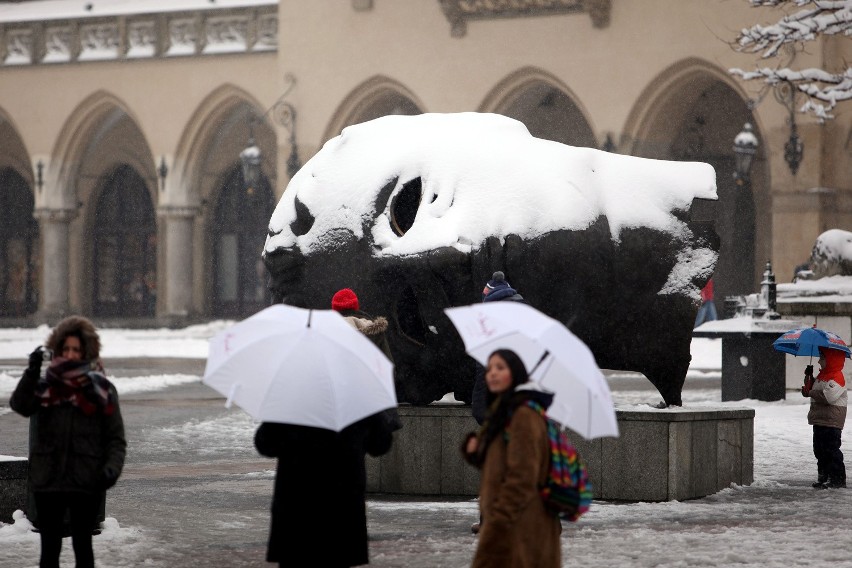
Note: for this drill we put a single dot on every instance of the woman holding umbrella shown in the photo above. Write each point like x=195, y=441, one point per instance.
x=827, y=416
x=512, y=449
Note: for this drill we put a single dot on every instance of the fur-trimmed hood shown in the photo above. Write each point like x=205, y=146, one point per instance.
x=368, y=327
x=80, y=327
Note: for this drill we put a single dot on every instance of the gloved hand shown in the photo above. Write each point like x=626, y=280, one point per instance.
x=36, y=358
x=108, y=477
x=809, y=371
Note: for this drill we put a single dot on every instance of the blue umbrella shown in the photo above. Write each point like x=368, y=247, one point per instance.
x=807, y=341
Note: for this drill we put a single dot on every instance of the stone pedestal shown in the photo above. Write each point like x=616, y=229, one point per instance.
x=661, y=455
x=13, y=486
x=751, y=367
x=425, y=458
x=671, y=454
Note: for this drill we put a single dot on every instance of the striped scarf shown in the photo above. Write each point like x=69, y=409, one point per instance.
x=79, y=383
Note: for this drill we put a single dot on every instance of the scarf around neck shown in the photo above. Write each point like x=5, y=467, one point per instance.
x=79, y=383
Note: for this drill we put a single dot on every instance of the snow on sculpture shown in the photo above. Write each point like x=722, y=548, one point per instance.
x=416, y=212
x=832, y=254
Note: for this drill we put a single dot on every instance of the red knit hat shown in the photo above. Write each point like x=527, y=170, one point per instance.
x=344, y=300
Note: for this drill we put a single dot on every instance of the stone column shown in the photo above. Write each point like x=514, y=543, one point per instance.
x=178, y=261
x=54, y=227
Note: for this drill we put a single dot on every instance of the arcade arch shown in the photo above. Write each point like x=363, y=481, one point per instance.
x=124, y=254
x=544, y=104
x=693, y=112
x=241, y=218
x=209, y=153
x=19, y=234
x=18, y=246
x=102, y=171
x=376, y=97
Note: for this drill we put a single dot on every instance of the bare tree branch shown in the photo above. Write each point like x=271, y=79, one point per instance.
x=823, y=89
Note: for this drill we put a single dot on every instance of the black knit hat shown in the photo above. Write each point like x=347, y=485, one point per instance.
x=498, y=280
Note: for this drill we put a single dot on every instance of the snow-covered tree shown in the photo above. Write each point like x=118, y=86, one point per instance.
x=805, y=21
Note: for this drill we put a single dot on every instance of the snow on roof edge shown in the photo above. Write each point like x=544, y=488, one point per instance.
x=84, y=9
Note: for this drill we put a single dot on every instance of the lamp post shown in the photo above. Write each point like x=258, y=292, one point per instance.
x=251, y=157
x=745, y=147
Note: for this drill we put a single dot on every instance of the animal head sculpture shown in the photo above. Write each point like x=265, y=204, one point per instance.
x=415, y=213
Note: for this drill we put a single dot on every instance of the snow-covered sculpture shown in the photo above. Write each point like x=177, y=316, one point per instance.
x=832, y=254
x=415, y=213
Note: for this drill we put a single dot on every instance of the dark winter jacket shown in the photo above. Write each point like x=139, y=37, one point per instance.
x=479, y=397
x=318, y=511
x=70, y=451
x=376, y=331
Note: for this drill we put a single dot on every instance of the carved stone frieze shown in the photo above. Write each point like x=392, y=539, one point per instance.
x=58, y=44
x=99, y=41
x=19, y=47
x=227, y=34
x=459, y=12
x=141, y=35
x=267, y=33
x=183, y=35
x=142, y=39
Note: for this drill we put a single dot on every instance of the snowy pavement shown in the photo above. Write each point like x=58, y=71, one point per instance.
x=194, y=491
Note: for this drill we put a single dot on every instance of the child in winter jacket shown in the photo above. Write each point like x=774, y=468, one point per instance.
x=827, y=415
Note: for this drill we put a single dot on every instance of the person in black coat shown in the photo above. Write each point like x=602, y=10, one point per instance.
x=319, y=515
x=77, y=445
x=496, y=290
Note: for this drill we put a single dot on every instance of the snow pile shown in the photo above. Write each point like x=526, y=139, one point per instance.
x=191, y=342
x=481, y=175
x=62, y=9
x=124, y=385
x=834, y=289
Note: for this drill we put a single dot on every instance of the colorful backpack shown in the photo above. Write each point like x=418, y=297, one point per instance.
x=567, y=491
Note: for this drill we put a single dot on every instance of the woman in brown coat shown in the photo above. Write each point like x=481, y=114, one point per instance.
x=513, y=450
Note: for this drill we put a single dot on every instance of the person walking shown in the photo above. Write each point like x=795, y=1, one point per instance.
x=77, y=445
x=512, y=449
x=496, y=290
x=321, y=477
x=707, y=311
x=827, y=415
x=346, y=303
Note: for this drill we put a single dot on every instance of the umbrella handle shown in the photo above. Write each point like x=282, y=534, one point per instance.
x=233, y=393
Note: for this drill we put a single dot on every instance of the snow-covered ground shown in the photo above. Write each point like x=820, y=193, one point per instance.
x=776, y=521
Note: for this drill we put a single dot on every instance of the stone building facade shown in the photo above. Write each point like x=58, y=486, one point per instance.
x=122, y=123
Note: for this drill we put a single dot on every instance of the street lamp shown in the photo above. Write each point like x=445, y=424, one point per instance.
x=251, y=157
x=745, y=147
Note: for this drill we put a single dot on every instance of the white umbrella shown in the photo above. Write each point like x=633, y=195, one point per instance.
x=555, y=358
x=298, y=366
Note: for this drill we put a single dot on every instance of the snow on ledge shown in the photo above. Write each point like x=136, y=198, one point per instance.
x=77, y=9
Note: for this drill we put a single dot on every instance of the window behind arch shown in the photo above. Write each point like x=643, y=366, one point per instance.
x=125, y=247
x=240, y=286
x=18, y=246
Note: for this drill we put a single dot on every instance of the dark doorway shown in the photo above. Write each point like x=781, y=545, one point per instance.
x=240, y=285
x=706, y=134
x=550, y=114
x=18, y=246
x=125, y=253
